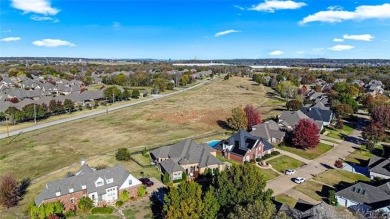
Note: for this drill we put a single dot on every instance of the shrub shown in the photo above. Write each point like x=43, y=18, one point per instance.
x=102, y=210
x=69, y=214
x=338, y=163
x=122, y=154
x=9, y=191
x=119, y=203
x=252, y=161
x=165, y=178
x=266, y=156
x=145, y=153
x=275, y=153
x=101, y=166
x=85, y=204
x=332, y=197
x=124, y=196
x=141, y=191
x=177, y=180
x=184, y=176
x=258, y=159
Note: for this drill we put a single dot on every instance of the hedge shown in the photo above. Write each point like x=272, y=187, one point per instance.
x=102, y=210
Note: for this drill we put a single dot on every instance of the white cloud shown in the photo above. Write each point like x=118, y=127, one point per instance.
x=362, y=12
x=43, y=18
x=222, y=33
x=239, y=7
x=52, y=43
x=362, y=37
x=35, y=6
x=276, y=53
x=11, y=39
x=341, y=47
x=338, y=40
x=273, y=5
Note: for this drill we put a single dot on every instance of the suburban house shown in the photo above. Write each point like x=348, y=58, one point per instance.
x=306, y=210
x=365, y=198
x=186, y=157
x=379, y=167
x=102, y=186
x=289, y=119
x=319, y=114
x=243, y=146
x=375, y=87
x=269, y=130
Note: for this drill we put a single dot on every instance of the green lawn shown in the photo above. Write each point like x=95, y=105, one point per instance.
x=309, y=153
x=102, y=217
x=359, y=157
x=141, y=158
x=336, y=133
x=129, y=213
x=268, y=174
x=284, y=162
x=334, y=177
x=285, y=199
x=314, y=190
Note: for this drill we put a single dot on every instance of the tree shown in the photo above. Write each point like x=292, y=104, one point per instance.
x=339, y=124
x=258, y=78
x=294, y=105
x=165, y=178
x=184, y=202
x=349, y=100
x=135, y=94
x=240, y=185
x=184, y=80
x=46, y=210
x=257, y=210
x=381, y=114
x=238, y=120
x=211, y=205
x=85, y=204
x=374, y=132
x=122, y=154
x=160, y=84
x=343, y=110
x=253, y=115
x=332, y=200
x=353, y=91
x=53, y=106
x=338, y=163
x=141, y=191
x=9, y=191
x=306, y=134
x=287, y=89
x=68, y=105
x=112, y=93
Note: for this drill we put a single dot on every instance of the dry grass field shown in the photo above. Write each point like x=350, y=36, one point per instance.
x=37, y=154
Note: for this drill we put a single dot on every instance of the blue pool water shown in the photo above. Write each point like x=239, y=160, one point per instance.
x=212, y=143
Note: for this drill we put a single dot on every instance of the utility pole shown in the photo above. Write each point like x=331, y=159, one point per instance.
x=113, y=99
x=35, y=115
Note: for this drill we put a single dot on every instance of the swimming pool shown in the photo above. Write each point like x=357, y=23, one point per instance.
x=212, y=143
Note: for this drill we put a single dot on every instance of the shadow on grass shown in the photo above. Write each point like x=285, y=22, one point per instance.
x=24, y=184
x=223, y=124
x=324, y=193
x=157, y=203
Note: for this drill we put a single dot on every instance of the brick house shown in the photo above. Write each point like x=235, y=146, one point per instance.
x=102, y=186
x=243, y=146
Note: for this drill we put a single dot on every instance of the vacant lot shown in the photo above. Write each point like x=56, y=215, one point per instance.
x=162, y=122
x=309, y=153
x=284, y=162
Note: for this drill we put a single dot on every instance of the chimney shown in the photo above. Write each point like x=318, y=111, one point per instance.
x=82, y=161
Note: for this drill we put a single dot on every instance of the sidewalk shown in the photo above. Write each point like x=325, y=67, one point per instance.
x=297, y=157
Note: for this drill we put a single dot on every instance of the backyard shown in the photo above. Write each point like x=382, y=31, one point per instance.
x=310, y=154
x=314, y=190
x=152, y=124
x=339, y=178
x=339, y=133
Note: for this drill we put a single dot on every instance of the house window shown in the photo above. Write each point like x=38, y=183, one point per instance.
x=130, y=181
x=353, y=189
x=72, y=200
x=110, y=180
x=358, y=190
x=99, y=183
x=71, y=190
x=93, y=197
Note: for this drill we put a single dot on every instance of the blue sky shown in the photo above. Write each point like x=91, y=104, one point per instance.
x=185, y=29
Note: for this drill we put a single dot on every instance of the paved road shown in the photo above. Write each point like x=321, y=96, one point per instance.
x=314, y=167
x=99, y=112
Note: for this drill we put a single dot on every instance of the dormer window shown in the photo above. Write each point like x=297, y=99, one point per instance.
x=58, y=193
x=71, y=190
x=99, y=182
x=110, y=180
x=83, y=186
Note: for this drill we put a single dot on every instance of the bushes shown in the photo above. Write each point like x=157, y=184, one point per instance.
x=165, y=178
x=332, y=198
x=123, y=154
x=266, y=156
x=102, y=210
x=119, y=203
x=275, y=153
x=85, y=204
x=141, y=191
x=338, y=163
x=124, y=196
x=258, y=159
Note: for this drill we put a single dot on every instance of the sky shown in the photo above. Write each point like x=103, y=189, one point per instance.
x=195, y=29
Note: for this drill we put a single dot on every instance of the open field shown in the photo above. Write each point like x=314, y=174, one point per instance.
x=96, y=139
x=285, y=162
x=310, y=154
x=334, y=177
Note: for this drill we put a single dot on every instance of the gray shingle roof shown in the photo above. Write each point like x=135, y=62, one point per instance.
x=379, y=165
x=363, y=193
x=86, y=176
x=318, y=113
x=268, y=130
x=292, y=118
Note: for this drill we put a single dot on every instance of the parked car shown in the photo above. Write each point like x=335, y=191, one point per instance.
x=290, y=172
x=147, y=182
x=299, y=180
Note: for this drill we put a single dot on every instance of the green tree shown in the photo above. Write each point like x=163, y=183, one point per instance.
x=258, y=78
x=184, y=80
x=135, y=94
x=287, y=89
x=294, y=105
x=165, y=178
x=122, y=154
x=258, y=210
x=141, y=191
x=68, y=105
x=112, y=92
x=85, y=204
x=124, y=196
x=120, y=79
x=332, y=197
x=240, y=185
x=238, y=119
x=211, y=205
x=160, y=84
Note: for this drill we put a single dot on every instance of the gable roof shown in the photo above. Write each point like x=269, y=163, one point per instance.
x=85, y=177
x=379, y=165
x=292, y=118
x=363, y=193
x=318, y=114
x=269, y=129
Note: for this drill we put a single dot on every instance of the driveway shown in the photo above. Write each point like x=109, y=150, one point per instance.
x=314, y=167
x=157, y=185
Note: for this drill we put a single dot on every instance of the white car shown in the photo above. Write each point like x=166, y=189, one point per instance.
x=290, y=172
x=299, y=180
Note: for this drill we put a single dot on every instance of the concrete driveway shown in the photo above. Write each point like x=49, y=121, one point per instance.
x=314, y=167
x=157, y=185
